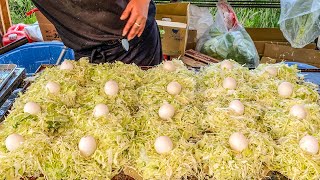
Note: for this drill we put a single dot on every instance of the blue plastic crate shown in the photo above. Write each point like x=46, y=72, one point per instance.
x=30, y=56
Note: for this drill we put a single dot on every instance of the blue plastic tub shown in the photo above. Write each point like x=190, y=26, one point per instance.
x=301, y=65
x=32, y=55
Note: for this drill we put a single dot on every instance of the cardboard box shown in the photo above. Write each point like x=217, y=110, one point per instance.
x=263, y=36
x=273, y=47
x=268, y=60
x=48, y=31
x=266, y=34
x=286, y=53
x=260, y=45
x=172, y=20
x=192, y=39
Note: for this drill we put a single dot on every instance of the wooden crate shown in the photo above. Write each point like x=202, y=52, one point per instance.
x=195, y=59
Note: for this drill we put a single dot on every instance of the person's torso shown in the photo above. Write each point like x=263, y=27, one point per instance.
x=83, y=24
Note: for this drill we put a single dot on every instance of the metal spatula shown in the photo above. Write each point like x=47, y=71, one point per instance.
x=125, y=44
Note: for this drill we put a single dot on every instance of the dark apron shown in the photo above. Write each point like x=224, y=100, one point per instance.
x=92, y=28
x=144, y=51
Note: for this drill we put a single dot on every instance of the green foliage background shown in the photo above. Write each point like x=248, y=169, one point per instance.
x=18, y=9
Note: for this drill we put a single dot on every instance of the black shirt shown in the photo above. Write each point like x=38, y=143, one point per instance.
x=85, y=25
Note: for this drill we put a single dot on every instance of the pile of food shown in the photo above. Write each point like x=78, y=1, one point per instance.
x=86, y=121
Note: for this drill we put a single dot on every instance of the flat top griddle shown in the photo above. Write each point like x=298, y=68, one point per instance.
x=6, y=72
x=312, y=75
x=9, y=92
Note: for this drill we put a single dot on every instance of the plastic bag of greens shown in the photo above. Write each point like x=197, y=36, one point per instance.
x=227, y=39
x=300, y=21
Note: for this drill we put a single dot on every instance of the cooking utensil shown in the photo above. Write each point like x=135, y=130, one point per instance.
x=125, y=44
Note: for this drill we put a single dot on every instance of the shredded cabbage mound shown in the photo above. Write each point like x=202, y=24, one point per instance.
x=200, y=129
x=218, y=160
x=293, y=161
x=154, y=88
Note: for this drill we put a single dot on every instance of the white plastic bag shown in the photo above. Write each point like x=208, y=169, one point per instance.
x=300, y=21
x=227, y=39
x=200, y=19
x=34, y=32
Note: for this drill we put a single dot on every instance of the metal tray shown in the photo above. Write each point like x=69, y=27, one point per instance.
x=14, y=82
x=10, y=92
x=6, y=71
x=6, y=106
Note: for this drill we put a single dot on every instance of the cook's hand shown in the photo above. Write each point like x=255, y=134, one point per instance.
x=137, y=12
